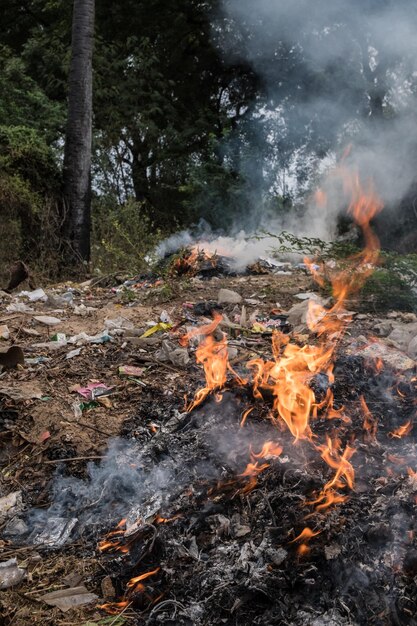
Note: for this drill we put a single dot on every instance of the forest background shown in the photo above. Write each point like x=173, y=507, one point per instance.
x=220, y=111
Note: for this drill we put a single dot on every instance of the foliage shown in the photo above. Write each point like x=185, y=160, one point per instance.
x=200, y=110
x=313, y=247
x=123, y=236
x=394, y=282
x=386, y=288
x=23, y=103
x=29, y=181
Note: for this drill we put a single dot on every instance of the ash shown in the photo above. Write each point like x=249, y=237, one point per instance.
x=228, y=557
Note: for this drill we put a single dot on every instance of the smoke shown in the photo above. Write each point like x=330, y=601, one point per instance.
x=334, y=73
x=242, y=248
x=134, y=481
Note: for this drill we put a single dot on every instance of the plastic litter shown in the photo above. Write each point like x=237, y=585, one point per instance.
x=48, y=320
x=72, y=353
x=10, y=573
x=37, y=360
x=130, y=370
x=34, y=296
x=83, y=310
x=4, y=332
x=19, y=307
x=54, y=533
x=170, y=352
x=93, y=390
x=119, y=323
x=60, y=337
x=161, y=326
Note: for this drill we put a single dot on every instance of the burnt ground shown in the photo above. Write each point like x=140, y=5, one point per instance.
x=226, y=556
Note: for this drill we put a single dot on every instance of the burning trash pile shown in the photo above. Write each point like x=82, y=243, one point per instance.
x=267, y=473
x=318, y=526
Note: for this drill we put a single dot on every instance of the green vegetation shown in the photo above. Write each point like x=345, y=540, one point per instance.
x=188, y=121
x=393, y=281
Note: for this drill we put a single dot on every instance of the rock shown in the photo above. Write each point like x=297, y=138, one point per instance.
x=409, y=318
x=401, y=336
x=396, y=359
x=11, y=358
x=412, y=348
x=384, y=328
x=48, y=320
x=308, y=295
x=66, y=599
x=10, y=505
x=4, y=332
x=227, y=296
x=297, y=315
x=107, y=588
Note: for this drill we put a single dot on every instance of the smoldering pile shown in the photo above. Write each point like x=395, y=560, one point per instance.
x=229, y=553
x=205, y=545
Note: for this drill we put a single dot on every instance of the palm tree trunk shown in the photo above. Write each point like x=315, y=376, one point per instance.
x=77, y=155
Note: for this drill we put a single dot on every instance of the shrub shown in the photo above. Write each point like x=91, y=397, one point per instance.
x=123, y=236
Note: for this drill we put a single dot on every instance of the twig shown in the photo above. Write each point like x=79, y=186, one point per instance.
x=148, y=359
x=12, y=552
x=98, y=430
x=119, y=614
x=73, y=458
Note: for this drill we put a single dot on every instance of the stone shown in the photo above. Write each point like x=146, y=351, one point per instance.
x=227, y=296
x=401, y=336
x=308, y=295
x=384, y=328
x=10, y=573
x=412, y=348
x=396, y=359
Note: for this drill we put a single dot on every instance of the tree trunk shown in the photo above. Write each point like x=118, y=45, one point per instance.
x=77, y=156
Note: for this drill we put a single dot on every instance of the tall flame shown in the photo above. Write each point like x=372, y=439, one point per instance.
x=289, y=375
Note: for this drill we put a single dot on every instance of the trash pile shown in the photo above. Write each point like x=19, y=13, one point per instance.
x=134, y=484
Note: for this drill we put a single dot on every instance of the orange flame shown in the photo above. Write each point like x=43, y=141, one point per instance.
x=213, y=356
x=370, y=423
x=402, y=431
x=134, y=583
x=114, y=608
x=288, y=376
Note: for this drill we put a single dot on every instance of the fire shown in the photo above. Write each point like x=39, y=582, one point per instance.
x=269, y=450
x=112, y=541
x=134, y=586
x=114, y=608
x=370, y=424
x=213, y=356
x=402, y=431
x=303, y=538
x=289, y=375
x=189, y=261
x=134, y=583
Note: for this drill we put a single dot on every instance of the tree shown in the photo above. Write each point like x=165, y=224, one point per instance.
x=77, y=155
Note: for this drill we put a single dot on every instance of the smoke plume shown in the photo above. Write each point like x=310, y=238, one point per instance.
x=334, y=73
